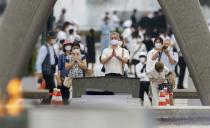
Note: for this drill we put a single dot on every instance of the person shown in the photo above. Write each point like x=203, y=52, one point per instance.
x=91, y=51
x=114, y=57
x=151, y=59
x=141, y=74
x=182, y=65
x=62, y=72
x=61, y=36
x=133, y=18
x=105, y=29
x=46, y=63
x=76, y=62
x=62, y=17
x=169, y=59
x=136, y=48
x=115, y=20
x=157, y=75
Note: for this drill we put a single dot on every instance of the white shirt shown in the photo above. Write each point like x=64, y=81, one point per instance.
x=42, y=55
x=164, y=59
x=141, y=75
x=114, y=65
x=152, y=73
x=135, y=50
x=150, y=62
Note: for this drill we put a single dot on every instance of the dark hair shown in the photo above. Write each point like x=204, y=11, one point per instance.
x=75, y=44
x=64, y=50
x=71, y=31
x=160, y=39
x=66, y=24
x=63, y=10
x=135, y=34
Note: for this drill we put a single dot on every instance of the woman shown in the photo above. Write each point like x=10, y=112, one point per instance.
x=76, y=63
x=62, y=72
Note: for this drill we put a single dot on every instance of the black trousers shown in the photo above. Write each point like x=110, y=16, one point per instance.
x=144, y=87
x=182, y=66
x=50, y=85
x=65, y=92
x=113, y=74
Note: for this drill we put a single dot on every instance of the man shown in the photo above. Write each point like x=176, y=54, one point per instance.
x=157, y=75
x=114, y=57
x=46, y=63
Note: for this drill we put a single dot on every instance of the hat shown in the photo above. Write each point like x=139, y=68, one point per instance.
x=51, y=34
x=143, y=54
x=66, y=42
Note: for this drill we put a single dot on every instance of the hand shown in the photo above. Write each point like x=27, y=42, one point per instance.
x=161, y=81
x=166, y=51
x=113, y=53
x=40, y=76
x=59, y=82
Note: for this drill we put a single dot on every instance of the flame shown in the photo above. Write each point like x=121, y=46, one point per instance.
x=14, y=104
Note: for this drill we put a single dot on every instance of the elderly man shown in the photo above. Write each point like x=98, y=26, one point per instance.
x=114, y=57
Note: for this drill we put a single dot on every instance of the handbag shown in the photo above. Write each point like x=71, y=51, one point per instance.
x=167, y=85
x=67, y=82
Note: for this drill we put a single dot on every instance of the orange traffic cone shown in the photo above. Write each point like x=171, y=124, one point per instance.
x=57, y=97
x=162, y=99
x=167, y=97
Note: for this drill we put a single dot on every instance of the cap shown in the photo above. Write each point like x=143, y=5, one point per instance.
x=67, y=42
x=51, y=34
x=143, y=54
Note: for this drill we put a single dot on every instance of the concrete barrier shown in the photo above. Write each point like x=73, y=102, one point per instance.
x=35, y=94
x=181, y=112
x=117, y=85
x=185, y=94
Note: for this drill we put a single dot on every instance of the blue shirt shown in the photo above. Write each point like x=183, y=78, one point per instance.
x=61, y=65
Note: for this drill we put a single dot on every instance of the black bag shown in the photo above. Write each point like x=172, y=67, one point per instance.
x=166, y=85
x=103, y=69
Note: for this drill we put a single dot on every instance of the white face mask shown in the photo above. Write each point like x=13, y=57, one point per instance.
x=53, y=41
x=68, y=48
x=114, y=42
x=142, y=59
x=158, y=45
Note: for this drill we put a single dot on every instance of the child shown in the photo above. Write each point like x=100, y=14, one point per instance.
x=141, y=74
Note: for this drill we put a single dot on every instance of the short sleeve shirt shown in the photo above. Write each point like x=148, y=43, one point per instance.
x=114, y=65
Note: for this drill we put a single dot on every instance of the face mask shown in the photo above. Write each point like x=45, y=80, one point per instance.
x=53, y=41
x=120, y=43
x=114, y=42
x=142, y=59
x=158, y=45
x=68, y=48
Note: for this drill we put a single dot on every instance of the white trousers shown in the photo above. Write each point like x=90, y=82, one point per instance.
x=155, y=95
